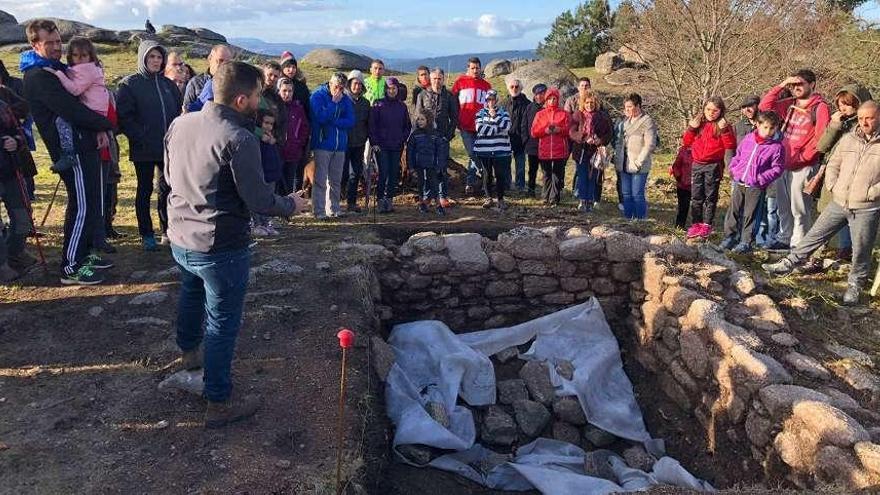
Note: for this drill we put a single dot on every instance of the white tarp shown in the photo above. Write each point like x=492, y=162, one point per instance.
x=435, y=365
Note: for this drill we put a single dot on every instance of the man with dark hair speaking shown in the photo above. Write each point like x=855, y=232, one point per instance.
x=212, y=163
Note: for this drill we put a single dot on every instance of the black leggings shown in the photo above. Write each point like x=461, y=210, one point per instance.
x=684, y=206
x=534, y=164
x=554, y=175
x=145, y=172
x=705, y=183
x=495, y=169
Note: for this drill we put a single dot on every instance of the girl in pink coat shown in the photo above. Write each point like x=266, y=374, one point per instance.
x=84, y=78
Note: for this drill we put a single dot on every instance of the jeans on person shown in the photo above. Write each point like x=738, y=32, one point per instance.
x=519, y=162
x=684, y=207
x=145, y=173
x=587, y=178
x=635, y=204
x=467, y=138
x=389, y=173
x=352, y=172
x=495, y=169
x=795, y=207
x=328, y=176
x=769, y=215
x=863, y=228
x=14, y=236
x=212, y=290
x=844, y=238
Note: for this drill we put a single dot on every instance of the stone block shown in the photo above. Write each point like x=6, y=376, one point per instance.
x=479, y=312
x=564, y=268
x=536, y=286
x=603, y=286
x=869, y=455
x=559, y=298
x=682, y=377
x=498, y=428
x=533, y=267
x=416, y=281
x=502, y=261
x=840, y=466
x=678, y=299
x=569, y=409
x=510, y=391
x=626, y=272
x=382, y=357
x=531, y=416
x=675, y=391
x=565, y=432
x=426, y=242
x=536, y=376
x=586, y=248
x=654, y=314
x=528, y=243
x=807, y=366
x=694, y=353
x=496, y=321
x=502, y=288
x=779, y=399
x=759, y=428
x=653, y=271
x=831, y=424
x=622, y=246
x=598, y=437
x=574, y=284
x=797, y=447
x=766, y=310
x=432, y=264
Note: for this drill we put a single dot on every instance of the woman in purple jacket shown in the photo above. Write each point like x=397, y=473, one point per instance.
x=759, y=161
x=389, y=130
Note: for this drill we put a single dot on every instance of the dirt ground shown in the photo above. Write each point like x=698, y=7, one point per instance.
x=80, y=411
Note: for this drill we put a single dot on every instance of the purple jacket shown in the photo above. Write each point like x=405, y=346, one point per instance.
x=758, y=165
x=389, y=124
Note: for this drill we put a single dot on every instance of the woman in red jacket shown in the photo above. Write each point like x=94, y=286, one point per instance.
x=550, y=128
x=708, y=136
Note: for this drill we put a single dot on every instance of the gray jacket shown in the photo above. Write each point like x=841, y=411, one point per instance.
x=212, y=163
x=443, y=106
x=634, y=144
x=146, y=105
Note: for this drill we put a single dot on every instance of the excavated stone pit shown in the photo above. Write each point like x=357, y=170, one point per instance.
x=713, y=360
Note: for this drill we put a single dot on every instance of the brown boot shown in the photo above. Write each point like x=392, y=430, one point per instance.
x=192, y=360
x=220, y=414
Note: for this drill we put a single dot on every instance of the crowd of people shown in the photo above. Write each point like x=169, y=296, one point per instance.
x=234, y=147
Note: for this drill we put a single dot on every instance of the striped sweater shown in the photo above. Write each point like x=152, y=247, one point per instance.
x=491, y=138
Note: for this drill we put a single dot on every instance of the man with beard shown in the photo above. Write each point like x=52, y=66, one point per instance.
x=213, y=167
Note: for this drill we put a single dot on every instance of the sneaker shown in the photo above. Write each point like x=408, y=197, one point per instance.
x=728, y=243
x=694, y=231
x=7, y=274
x=22, y=261
x=851, y=296
x=445, y=203
x=272, y=230
x=114, y=234
x=488, y=203
x=742, y=248
x=781, y=267
x=220, y=414
x=260, y=231
x=502, y=205
x=441, y=211
x=97, y=262
x=582, y=207
x=66, y=162
x=106, y=248
x=777, y=246
x=705, y=230
x=86, y=275
x=149, y=243
x=423, y=207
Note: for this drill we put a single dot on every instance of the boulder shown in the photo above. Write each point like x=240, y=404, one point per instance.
x=498, y=427
x=12, y=34
x=98, y=35
x=528, y=243
x=547, y=72
x=68, y=29
x=531, y=416
x=510, y=391
x=565, y=432
x=598, y=437
x=336, y=58
x=608, y=62
x=536, y=375
x=169, y=29
x=207, y=34
x=569, y=409
x=498, y=67
x=466, y=252
x=831, y=424
x=7, y=18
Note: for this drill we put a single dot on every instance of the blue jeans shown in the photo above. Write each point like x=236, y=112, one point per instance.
x=467, y=138
x=213, y=286
x=519, y=161
x=587, y=177
x=635, y=205
x=389, y=172
x=769, y=226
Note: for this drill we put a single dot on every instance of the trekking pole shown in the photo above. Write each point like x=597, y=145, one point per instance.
x=27, y=204
x=51, y=202
x=346, y=340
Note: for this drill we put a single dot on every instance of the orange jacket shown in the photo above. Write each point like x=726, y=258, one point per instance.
x=551, y=146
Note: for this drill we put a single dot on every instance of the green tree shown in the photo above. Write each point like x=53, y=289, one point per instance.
x=577, y=37
x=624, y=21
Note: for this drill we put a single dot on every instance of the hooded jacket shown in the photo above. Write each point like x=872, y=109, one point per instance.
x=707, y=145
x=358, y=135
x=801, y=129
x=443, y=106
x=836, y=130
x=551, y=146
x=471, y=95
x=516, y=106
x=147, y=104
x=853, y=172
x=389, y=124
x=758, y=164
x=87, y=82
x=530, y=144
x=49, y=100
x=330, y=121
x=491, y=138
x=586, y=124
x=296, y=131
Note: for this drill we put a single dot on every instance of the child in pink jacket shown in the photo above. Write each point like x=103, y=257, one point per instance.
x=83, y=78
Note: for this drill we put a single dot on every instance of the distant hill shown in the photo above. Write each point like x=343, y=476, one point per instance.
x=401, y=60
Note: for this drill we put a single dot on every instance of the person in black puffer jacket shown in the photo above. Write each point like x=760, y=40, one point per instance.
x=427, y=152
x=530, y=144
x=147, y=103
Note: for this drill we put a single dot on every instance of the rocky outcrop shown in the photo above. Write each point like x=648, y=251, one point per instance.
x=547, y=72
x=335, y=58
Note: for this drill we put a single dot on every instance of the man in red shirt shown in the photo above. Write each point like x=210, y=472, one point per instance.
x=470, y=89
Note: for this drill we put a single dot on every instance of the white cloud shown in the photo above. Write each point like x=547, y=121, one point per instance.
x=358, y=27
x=492, y=26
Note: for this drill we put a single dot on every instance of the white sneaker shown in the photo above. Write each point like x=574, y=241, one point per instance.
x=260, y=231
x=270, y=228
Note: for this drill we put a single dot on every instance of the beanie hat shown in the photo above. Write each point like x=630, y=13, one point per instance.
x=391, y=81
x=539, y=88
x=492, y=94
x=286, y=55
x=356, y=74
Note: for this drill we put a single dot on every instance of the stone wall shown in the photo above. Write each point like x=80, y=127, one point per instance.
x=693, y=318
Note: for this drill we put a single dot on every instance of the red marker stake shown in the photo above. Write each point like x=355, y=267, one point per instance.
x=346, y=340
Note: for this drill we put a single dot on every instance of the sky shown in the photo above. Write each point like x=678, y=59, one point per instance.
x=433, y=27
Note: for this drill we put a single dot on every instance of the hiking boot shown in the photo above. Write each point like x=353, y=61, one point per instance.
x=86, y=275
x=97, y=262
x=694, y=231
x=851, y=296
x=192, y=360
x=22, y=261
x=220, y=414
x=705, y=230
x=7, y=274
x=781, y=267
x=149, y=243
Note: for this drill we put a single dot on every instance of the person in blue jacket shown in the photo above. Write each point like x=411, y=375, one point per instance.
x=332, y=116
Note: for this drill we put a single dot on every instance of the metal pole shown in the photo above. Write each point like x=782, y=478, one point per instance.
x=346, y=340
